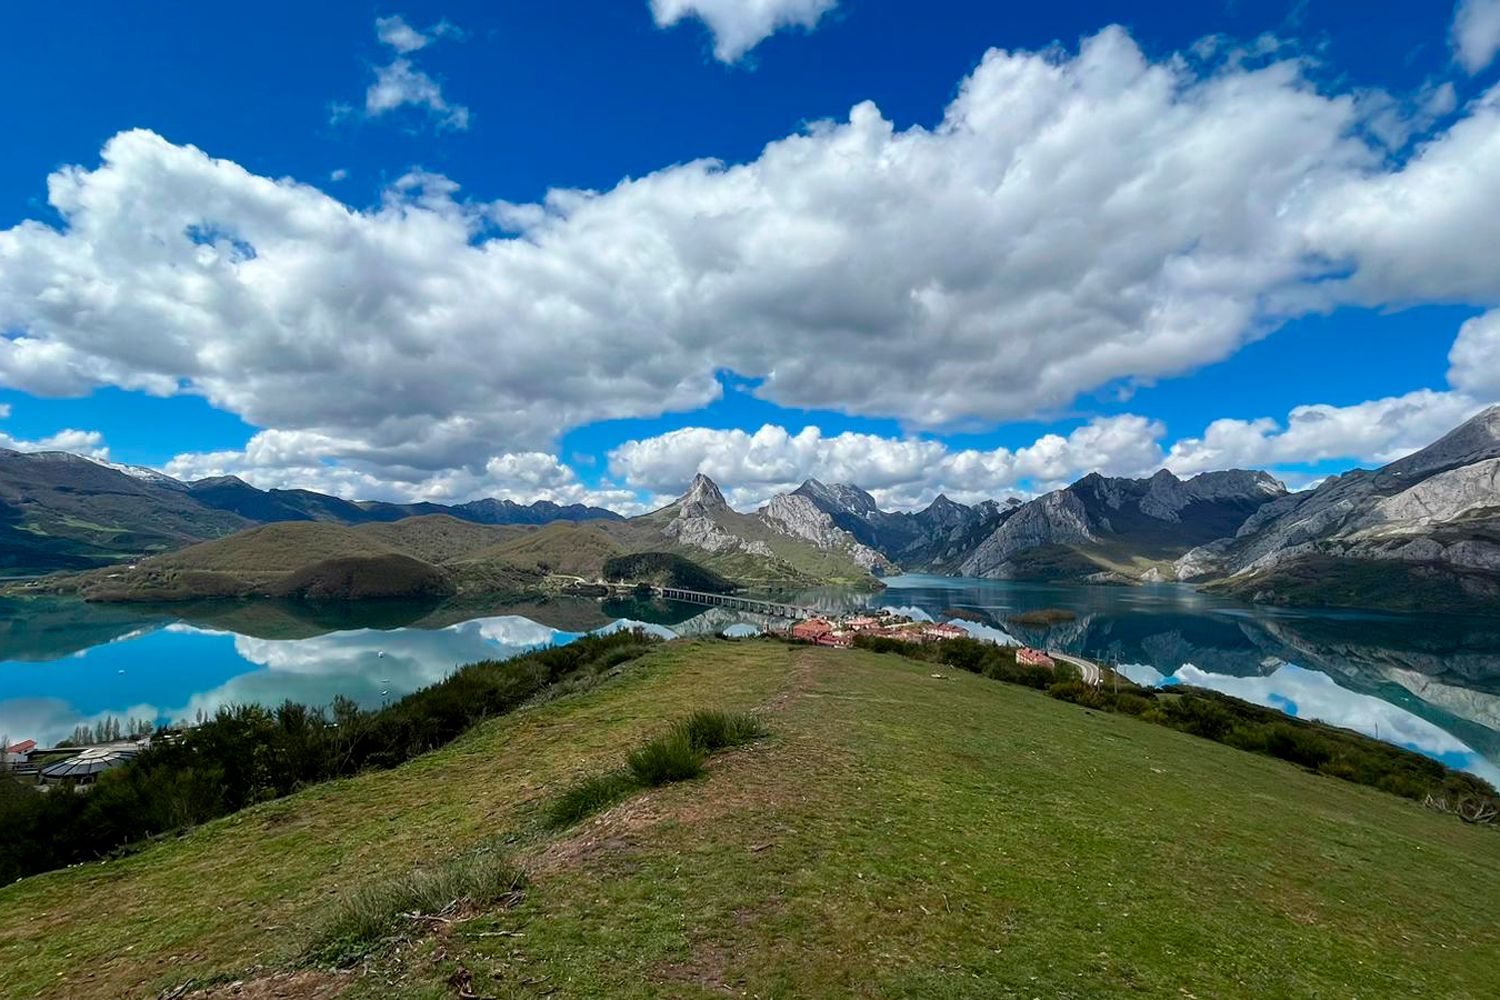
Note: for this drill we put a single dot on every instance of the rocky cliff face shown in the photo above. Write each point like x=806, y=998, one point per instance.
x=1114, y=530
x=798, y=517
x=853, y=510
x=1058, y=518
x=1421, y=531
x=697, y=517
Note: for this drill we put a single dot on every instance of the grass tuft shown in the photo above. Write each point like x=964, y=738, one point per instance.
x=667, y=758
x=590, y=796
x=712, y=731
x=676, y=755
x=363, y=918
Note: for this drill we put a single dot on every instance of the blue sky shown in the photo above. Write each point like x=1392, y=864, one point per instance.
x=305, y=245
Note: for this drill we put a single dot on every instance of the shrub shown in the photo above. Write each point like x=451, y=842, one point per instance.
x=668, y=758
x=1132, y=704
x=711, y=731
x=1067, y=672
x=372, y=913
x=1298, y=746
x=589, y=796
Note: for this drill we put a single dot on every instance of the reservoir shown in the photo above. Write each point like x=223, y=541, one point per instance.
x=1429, y=683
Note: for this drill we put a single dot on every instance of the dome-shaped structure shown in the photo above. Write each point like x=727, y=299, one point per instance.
x=90, y=763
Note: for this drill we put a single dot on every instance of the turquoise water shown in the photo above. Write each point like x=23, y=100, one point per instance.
x=1429, y=683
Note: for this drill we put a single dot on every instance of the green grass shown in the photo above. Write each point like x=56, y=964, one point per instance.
x=667, y=758
x=904, y=835
x=712, y=730
x=589, y=796
x=249, y=889
x=371, y=914
x=676, y=755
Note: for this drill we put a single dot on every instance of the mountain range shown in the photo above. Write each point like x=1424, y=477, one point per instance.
x=62, y=512
x=1422, y=532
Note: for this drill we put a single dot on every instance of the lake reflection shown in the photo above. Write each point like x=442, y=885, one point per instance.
x=172, y=670
x=1428, y=683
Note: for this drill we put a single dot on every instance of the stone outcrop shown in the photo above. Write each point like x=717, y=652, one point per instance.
x=798, y=517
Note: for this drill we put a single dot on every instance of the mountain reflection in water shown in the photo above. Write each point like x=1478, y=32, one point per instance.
x=1431, y=683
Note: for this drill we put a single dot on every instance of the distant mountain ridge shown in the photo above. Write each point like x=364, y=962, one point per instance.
x=1421, y=532
x=60, y=511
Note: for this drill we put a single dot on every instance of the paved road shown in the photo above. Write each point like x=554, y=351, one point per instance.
x=1092, y=675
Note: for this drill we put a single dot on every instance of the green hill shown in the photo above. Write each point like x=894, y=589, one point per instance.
x=666, y=570
x=63, y=512
x=897, y=835
x=564, y=548
x=419, y=557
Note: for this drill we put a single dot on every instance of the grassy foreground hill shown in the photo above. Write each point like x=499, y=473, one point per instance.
x=898, y=834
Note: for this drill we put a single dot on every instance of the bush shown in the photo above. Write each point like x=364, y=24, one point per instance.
x=711, y=731
x=668, y=758
x=1298, y=746
x=373, y=913
x=590, y=796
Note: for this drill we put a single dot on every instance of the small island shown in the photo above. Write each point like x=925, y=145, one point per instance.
x=1042, y=617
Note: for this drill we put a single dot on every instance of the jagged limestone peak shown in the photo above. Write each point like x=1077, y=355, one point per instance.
x=702, y=498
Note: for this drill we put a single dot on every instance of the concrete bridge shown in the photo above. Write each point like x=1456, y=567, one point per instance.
x=772, y=609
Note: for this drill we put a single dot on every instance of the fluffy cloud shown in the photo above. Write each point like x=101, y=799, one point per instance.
x=899, y=472
x=1375, y=432
x=400, y=83
x=1476, y=33
x=1474, y=361
x=294, y=460
x=402, y=37
x=1071, y=222
x=740, y=25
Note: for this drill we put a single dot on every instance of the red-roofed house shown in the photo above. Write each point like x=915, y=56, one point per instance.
x=811, y=629
x=1028, y=657
x=13, y=755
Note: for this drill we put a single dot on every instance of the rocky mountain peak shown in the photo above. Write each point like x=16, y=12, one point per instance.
x=702, y=498
x=1475, y=440
x=843, y=496
x=944, y=510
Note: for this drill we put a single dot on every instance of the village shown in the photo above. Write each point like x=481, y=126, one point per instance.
x=842, y=631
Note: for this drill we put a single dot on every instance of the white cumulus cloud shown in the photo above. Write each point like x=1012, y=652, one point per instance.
x=1374, y=432
x=1071, y=222
x=1474, y=361
x=898, y=472
x=1476, y=33
x=740, y=25
x=400, y=83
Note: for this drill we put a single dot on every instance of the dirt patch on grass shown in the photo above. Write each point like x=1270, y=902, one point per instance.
x=613, y=832
x=797, y=684
x=706, y=967
x=306, y=985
